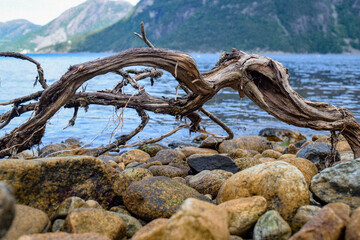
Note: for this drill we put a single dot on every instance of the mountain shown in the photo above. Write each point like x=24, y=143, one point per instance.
x=14, y=29
x=323, y=26
x=86, y=17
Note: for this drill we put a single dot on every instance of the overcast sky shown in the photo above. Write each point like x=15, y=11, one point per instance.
x=37, y=11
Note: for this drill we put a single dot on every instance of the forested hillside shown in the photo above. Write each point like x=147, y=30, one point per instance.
x=324, y=26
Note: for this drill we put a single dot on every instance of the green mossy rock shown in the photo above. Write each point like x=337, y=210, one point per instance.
x=45, y=183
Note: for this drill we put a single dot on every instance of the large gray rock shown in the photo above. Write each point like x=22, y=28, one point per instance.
x=317, y=152
x=340, y=183
x=7, y=208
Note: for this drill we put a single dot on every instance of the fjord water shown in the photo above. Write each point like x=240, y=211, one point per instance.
x=328, y=78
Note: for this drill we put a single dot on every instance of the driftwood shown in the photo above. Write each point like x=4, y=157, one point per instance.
x=260, y=78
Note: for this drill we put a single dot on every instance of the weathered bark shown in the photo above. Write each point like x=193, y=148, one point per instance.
x=262, y=79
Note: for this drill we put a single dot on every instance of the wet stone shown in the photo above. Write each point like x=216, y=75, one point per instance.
x=256, y=143
x=340, y=183
x=317, y=152
x=138, y=173
x=168, y=171
x=167, y=156
x=188, y=151
x=271, y=226
x=302, y=216
x=206, y=182
x=157, y=197
x=212, y=162
x=86, y=220
x=67, y=206
x=153, y=148
x=280, y=183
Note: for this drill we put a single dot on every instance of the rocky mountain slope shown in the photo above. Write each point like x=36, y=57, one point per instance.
x=324, y=26
x=86, y=17
x=16, y=28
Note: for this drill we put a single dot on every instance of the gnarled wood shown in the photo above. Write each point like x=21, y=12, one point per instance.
x=262, y=79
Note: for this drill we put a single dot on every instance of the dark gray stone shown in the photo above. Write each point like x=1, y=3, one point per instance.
x=201, y=163
x=317, y=152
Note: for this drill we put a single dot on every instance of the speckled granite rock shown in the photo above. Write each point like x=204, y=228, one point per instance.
x=340, y=183
x=326, y=224
x=206, y=182
x=86, y=220
x=244, y=212
x=302, y=216
x=280, y=183
x=256, y=143
x=271, y=226
x=138, y=174
x=157, y=197
x=168, y=171
x=167, y=156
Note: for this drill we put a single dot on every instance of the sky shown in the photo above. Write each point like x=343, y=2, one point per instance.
x=37, y=11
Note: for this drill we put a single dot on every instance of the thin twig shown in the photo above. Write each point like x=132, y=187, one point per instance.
x=140, y=75
x=219, y=122
x=143, y=36
x=20, y=144
x=40, y=71
x=72, y=120
x=9, y=115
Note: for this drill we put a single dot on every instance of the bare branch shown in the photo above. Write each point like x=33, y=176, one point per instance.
x=6, y=117
x=219, y=122
x=20, y=100
x=143, y=36
x=40, y=71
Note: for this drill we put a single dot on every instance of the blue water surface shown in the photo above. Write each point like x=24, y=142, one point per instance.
x=328, y=78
